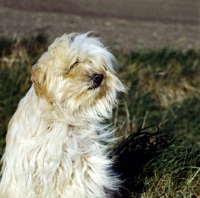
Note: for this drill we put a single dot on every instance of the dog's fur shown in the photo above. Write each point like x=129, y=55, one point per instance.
x=54, y=145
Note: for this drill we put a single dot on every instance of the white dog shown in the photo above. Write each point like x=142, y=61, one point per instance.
x=54, y=145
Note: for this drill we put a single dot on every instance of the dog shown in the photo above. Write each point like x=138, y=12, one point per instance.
x=56, y=145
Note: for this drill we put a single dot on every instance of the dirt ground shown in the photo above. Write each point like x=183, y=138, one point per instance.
x=123, y=24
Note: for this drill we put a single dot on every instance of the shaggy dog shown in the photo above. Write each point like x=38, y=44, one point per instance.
x=55, y=143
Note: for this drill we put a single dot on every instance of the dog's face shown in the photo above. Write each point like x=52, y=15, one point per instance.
x=76, y=76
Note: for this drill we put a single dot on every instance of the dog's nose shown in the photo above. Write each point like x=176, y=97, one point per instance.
x=97, y=79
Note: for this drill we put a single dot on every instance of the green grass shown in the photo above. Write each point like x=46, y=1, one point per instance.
x=163, y=92
x=157, y=120
x=163, y=87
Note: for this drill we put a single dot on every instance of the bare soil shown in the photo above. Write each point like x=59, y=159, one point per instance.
x=123, y=24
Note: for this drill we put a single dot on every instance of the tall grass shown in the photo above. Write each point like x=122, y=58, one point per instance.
x=162, y=156
x=158, y=152
x=163, y=87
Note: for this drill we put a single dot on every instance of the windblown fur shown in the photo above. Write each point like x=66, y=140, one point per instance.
x=54, y=143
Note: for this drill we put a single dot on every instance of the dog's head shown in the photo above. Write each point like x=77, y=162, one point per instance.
x=76, y=76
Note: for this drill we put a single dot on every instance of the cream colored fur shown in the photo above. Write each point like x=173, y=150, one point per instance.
x=55, y=142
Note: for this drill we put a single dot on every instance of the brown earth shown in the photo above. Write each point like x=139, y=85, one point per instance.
x=123, y=24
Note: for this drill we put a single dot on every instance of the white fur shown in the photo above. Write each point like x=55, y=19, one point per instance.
x=54, y=145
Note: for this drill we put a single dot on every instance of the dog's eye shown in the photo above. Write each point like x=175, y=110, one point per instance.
x=71, y=67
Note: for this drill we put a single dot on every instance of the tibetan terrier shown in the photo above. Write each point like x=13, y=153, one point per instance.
x=55, y=145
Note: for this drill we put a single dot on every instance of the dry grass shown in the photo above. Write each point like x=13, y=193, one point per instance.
x=158, y=121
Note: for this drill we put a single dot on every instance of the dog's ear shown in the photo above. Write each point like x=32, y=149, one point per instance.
x=38, y=78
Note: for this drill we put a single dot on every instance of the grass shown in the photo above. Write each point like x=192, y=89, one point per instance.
x=158, y=152
x=163, y=92
x=163, y=86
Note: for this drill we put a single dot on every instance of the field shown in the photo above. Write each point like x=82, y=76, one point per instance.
x=126, y=25
x=158, y=149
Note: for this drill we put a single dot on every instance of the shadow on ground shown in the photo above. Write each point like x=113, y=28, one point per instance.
x=134, y=153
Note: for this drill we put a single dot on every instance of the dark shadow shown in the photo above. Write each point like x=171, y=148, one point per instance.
x=133, y=153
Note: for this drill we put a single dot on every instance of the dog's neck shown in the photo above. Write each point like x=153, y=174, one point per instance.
x=41, y=113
